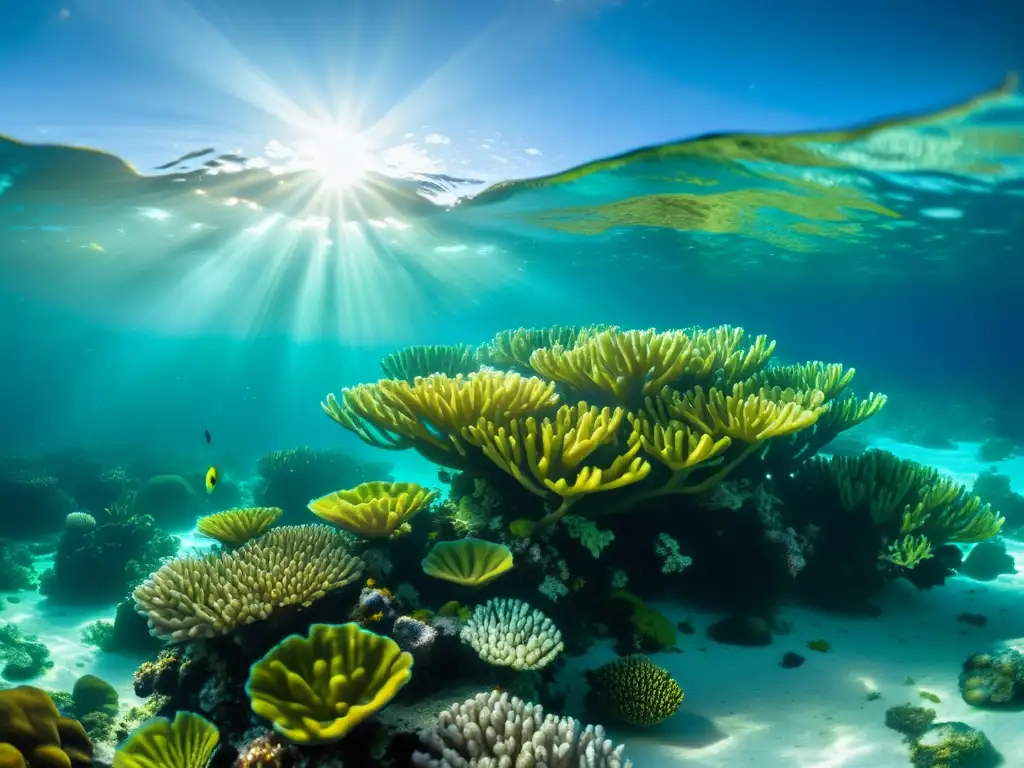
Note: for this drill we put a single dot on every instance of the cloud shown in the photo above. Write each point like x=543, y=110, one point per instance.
x=436, y=138
x=533, y=152
x=408, y=158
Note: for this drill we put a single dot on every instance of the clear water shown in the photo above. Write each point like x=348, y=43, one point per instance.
x=231, y=294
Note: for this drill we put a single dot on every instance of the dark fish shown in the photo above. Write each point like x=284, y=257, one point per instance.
x=209, y=437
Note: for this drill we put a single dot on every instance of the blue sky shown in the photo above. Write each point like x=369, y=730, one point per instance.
x=492, y=89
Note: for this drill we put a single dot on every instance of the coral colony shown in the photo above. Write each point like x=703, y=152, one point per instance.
x=585, y=472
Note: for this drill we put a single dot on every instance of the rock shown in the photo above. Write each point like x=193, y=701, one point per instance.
x=987, y=560
x=741, y=630
x=993, y=679
x=953, y=744
x=792, y=660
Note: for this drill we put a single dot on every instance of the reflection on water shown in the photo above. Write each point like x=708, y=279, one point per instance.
x=922, y=196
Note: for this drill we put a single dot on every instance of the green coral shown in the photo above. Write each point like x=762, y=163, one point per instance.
x=22, y=656
x=99, y=634
x=634, y=690
x=588, y=534
x=651, y=629
x=188, y=741
x=668, y=548
x=425, y=359
x=914, y=504
x=908, y=719
x=316, y=689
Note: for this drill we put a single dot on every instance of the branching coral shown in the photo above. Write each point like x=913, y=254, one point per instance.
x=413, y=362
x=430, y=413
x=588, y=534
x=234, y=527
x=374, y=510
x=495, y=729
x=209, y=596
x=549, y=456
x=622, y=367
x=695, y=430
x=316, y=689
x=913, y=504
x=514, y=347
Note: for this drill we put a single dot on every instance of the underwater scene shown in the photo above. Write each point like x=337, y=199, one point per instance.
x=706, y=454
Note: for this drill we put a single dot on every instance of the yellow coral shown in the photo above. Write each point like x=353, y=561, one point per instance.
x=33, y=734
x=186, y=742
x=621, y=367
x=469, y=562
x=234, y=527
x=209, y=596
x=909, y=552
x=750, y=418
x=315, y=689
x=547, y=456
x=429, y=414
x=695, y=430
x=375, y=509
x=721, y=350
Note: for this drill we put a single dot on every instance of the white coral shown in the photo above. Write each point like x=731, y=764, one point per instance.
x=495, y=730
x=509, y=633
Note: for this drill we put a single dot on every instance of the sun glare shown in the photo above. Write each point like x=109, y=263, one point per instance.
x=341, y=156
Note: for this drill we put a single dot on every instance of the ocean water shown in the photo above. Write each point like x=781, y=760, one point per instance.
x=169, y=337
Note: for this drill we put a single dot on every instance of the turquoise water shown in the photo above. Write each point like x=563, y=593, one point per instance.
x=224, y=295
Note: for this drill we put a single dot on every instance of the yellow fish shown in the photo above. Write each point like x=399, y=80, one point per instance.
x=212, y=476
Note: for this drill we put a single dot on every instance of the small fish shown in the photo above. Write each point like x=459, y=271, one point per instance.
x=208, y=436
x=212, y=476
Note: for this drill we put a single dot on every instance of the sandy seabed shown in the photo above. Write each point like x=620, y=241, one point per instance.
x=741, y=707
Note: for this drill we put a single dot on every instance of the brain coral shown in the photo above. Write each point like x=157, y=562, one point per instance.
x=207, y=596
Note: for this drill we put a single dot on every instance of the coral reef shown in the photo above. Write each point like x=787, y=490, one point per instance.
x=681, y=462
x=102, y=563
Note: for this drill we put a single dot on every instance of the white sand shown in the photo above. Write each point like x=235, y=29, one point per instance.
x=741, y=708
x=60, y=627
